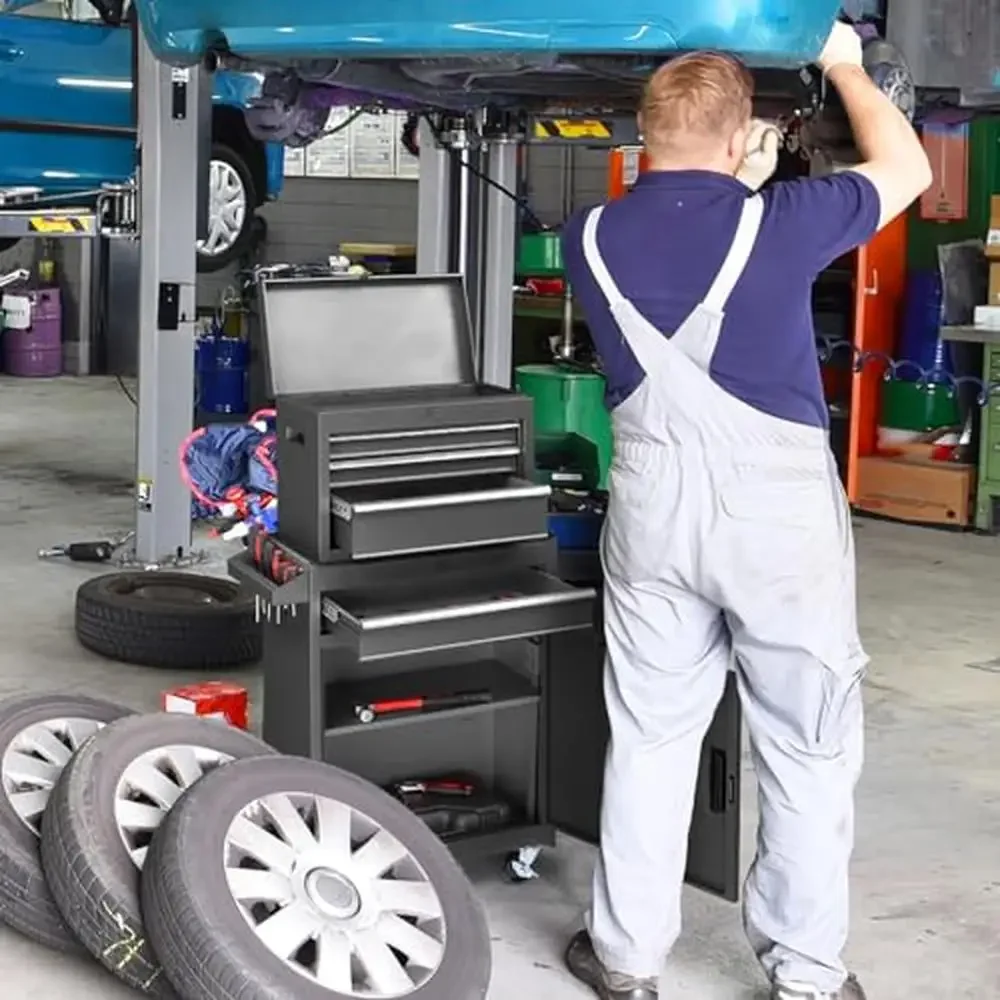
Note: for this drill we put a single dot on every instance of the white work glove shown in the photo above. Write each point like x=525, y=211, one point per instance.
x=761, y=158
x=843, y=47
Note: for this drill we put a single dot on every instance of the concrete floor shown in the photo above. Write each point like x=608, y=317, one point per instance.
x=927, y=872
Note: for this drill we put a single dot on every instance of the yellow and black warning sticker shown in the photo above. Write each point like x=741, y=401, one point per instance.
x=60, y=225
x=572, y=128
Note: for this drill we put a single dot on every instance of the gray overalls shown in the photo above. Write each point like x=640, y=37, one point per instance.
x=727, y=533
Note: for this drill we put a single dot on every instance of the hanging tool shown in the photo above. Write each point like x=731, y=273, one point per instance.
x=438, y=786
x=92, y=552
x=397, y=706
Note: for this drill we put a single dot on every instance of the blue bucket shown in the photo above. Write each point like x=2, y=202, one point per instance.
x=222, y=364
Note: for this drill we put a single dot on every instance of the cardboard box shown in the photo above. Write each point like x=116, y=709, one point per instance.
x=210, y=700
x=987, y=316
x=993, y=299
x=993, y=234
x=924, y=492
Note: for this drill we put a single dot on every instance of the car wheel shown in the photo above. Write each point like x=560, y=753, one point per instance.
x=101, y=816
x=181, y=621
x=232, y=202
x=285, y=877
x=38, y=736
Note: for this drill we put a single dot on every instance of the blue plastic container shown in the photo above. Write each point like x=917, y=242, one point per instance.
x=222, y=363
x=920, y=346
x=580, y=530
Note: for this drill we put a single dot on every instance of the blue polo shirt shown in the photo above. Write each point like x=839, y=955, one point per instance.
x=664, y=243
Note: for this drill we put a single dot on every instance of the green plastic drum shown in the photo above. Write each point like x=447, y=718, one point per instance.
x=570, y=401
x=913, y=406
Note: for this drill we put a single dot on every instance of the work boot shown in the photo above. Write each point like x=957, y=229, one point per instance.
x=585, y=965
x=851, y=990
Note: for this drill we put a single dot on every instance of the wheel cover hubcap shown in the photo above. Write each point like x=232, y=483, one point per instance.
x=33, y=761
x=227, y=209
x=149, y=787
x=334, y=895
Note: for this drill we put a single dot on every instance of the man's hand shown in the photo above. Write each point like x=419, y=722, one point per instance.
x=761, y=159
x=843, y=47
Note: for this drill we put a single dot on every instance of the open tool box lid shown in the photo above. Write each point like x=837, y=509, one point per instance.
x=351, y=334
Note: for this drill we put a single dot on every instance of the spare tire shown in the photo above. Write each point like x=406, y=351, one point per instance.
x=103, y=811
x=174, y=620
x=38, y=736
x=284, y=877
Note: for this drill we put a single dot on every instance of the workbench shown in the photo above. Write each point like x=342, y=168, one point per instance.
x=988, y=487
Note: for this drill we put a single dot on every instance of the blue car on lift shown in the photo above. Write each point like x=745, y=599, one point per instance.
x=67, y=120
x=563, y=56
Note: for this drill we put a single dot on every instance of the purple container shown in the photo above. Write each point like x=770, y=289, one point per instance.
x=37, y=351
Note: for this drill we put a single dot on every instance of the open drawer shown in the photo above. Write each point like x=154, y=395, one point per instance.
x=455, y=612
x=370, y=522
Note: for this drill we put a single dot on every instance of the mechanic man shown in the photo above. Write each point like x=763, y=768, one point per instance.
x=728, y=539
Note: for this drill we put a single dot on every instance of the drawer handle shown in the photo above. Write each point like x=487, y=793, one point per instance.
x=335, y=613
x=425, y=432
x=424, y=459
x=448, y=499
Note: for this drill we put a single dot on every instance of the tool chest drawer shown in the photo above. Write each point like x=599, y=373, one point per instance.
x=372, y=522
x=454, y=612
x=400, y=456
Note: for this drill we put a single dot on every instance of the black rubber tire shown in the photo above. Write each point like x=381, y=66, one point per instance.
x=26, y=903
x=114, y=619
x=243, y=244
x=208, y=949
x=93, y=879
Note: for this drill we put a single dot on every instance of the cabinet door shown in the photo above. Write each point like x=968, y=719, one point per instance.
x=576, y=736
x=880, y=280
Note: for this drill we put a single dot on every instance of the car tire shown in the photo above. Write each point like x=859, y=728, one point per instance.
x=212, y=947
x=105, y=805
x=231, y=191
x=178, y=621
x=38, y=735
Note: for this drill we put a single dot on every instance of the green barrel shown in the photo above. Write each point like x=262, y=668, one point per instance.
x=569, y=401
x=913, y=406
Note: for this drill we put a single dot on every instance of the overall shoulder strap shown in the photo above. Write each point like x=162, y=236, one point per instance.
x=594, y=259
x=738, y=256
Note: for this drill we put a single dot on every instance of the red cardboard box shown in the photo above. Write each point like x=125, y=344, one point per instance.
x=212, y=700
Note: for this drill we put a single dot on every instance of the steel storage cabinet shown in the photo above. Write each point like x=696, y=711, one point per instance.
x=421, y=566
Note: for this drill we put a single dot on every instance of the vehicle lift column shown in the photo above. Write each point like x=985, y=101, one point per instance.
x=467, y=223
x=172, y=105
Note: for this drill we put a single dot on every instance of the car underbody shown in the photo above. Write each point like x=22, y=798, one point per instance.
x=296, y=98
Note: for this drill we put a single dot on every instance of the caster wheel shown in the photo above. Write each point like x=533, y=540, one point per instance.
x=520, y=866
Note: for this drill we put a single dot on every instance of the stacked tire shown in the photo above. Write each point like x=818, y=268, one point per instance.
x=195, y=863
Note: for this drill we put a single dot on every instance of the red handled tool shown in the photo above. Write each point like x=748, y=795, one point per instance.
x=424, y=703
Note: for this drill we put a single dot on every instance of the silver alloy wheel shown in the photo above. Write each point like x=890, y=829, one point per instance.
x=335, y=896
x=227, y=209
x=151, y=784
x=33, y=761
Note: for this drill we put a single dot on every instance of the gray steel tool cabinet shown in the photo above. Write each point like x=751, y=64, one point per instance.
x=421, y=567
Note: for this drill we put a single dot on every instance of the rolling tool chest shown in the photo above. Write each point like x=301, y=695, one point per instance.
x=415, y=621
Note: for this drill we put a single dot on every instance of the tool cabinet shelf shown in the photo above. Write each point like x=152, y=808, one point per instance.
x=506, y=686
